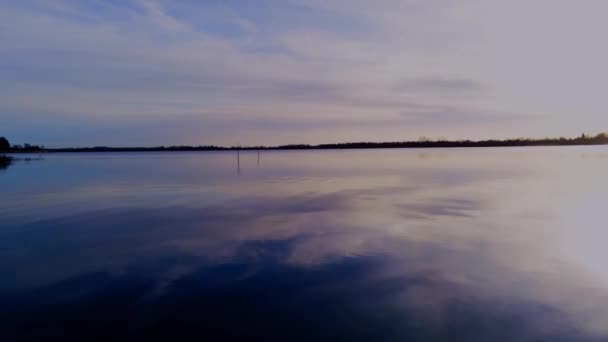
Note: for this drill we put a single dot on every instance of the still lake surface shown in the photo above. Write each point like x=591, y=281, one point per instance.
x=484, y=244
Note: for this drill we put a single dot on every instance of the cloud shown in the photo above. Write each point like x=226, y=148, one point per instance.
x=159, y=16
x=287, y=61
x=445, y=115
x=441, y=85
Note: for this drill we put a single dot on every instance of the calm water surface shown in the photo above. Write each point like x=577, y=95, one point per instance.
x=418, y=245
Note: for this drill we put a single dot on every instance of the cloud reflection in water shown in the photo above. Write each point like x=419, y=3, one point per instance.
x=397, y=254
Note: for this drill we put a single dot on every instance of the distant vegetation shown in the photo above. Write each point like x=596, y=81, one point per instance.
x=5, y=161
x=600, y=139
x=5, y=146
x=27, y=148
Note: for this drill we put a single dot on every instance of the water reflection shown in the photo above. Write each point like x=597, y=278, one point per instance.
x=473, y=245
x=5, y=162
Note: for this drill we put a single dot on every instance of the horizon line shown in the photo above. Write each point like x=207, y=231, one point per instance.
x=599, y=139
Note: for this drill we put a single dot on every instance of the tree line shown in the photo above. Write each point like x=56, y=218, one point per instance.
x=584, y=139
x=5, y=146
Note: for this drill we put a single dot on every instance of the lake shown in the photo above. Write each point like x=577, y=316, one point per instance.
x=484, y=244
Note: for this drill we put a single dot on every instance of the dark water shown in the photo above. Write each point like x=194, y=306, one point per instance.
x=416, y=245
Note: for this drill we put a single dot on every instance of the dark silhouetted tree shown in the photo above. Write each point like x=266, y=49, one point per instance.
x=4, y=144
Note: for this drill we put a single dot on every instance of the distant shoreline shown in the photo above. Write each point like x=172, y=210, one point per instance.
x=600, y=139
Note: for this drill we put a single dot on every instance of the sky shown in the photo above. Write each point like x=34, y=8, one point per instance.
x=160, y=72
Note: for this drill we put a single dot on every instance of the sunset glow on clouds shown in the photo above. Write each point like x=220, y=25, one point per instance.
x=77, y=73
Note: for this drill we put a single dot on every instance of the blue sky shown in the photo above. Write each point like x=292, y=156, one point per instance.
x=154, y=72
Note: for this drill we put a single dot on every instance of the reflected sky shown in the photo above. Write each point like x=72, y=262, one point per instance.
x=467, y=244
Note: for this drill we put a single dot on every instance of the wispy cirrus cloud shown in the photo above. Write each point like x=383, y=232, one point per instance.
x=289, y=62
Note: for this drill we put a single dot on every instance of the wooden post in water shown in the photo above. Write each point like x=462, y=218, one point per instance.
x=238, y=160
